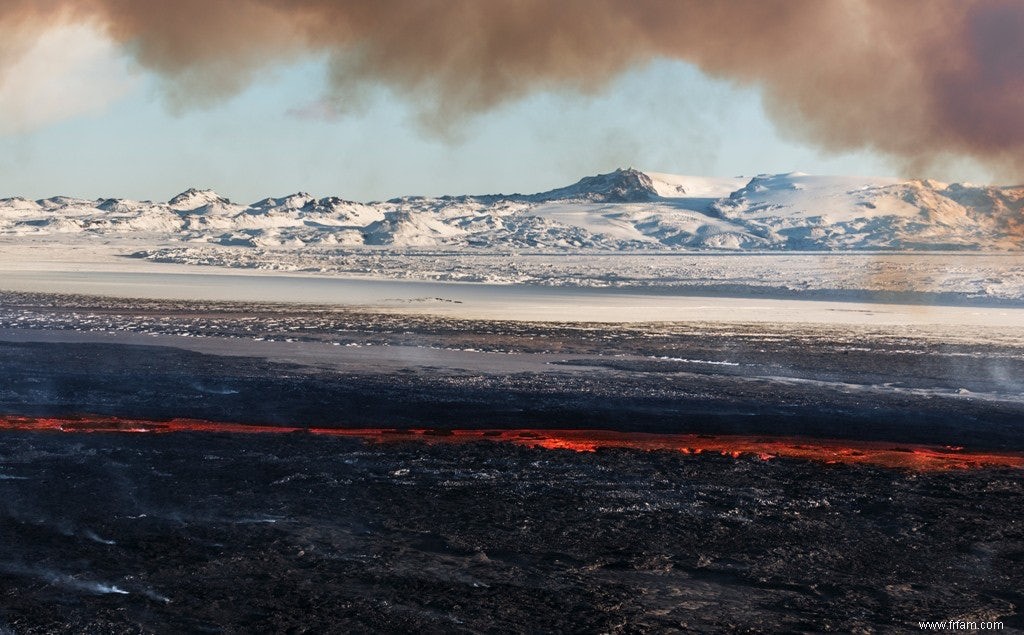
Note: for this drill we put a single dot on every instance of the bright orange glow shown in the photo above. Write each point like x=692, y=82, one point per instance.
x=877, y=453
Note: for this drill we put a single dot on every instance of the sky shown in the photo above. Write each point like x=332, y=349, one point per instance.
x=82, y=118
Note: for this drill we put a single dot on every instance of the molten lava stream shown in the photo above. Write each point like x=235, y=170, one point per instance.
x=877, y=453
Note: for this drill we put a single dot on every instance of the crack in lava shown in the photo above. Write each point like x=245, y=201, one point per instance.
x=831, y=451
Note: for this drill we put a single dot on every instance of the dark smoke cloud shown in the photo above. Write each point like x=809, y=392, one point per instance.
x=921, y=80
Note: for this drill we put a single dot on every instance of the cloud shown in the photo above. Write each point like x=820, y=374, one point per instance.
x=67, y=71
x=323, y=109
x=924, y=81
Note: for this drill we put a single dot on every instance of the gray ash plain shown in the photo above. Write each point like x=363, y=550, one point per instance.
x=199, y=532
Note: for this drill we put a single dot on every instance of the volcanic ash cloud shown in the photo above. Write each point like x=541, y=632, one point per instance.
x=921, y=80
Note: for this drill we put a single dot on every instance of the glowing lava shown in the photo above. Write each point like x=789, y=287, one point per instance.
x=877, y=453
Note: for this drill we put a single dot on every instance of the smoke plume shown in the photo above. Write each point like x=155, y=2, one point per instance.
x=921, y=80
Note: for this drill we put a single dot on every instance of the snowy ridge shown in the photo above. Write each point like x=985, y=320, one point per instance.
x=625, y=210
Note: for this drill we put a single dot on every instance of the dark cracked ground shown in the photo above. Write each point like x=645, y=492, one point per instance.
x=201, y=532
x=291, y=533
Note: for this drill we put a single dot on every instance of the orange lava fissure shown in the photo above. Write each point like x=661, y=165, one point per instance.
x=876, y=453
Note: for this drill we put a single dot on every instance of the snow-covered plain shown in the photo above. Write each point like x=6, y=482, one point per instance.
x=950, y=277
x=770, y=238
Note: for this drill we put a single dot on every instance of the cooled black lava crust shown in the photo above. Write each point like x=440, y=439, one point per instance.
x=195, y=532
x=292, y=533
x=41, y=379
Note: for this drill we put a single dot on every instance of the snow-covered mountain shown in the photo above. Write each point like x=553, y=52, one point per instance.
x=622, y=210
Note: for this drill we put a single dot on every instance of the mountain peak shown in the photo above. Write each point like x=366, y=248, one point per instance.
x=194, y=198
x=299, y=200
x=621, y=186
